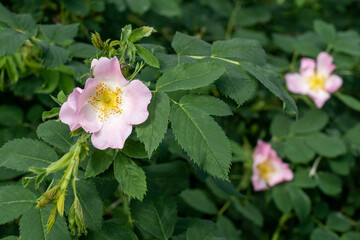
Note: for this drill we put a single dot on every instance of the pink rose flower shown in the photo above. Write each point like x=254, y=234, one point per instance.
x=108, y=106
x=315, y=79
x=268, y=168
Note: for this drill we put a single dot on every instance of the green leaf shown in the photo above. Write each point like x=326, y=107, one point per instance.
x=301, y=202
x=329, y=183
x=321, y=234
x=20, y=154
x=167, y=8
x=79, y=7
x=297, y=151
x=152, y=131
x=239, y=49
x=188, y=45
x=134, y=149
x=236, y=84
x=11, y=115
x=82, y=50
x=227, y=228
x=249, y=16
x=99, y=161
x=210, y=105
x=10, y=238
x=198, y=200
x=91, y=204
x=326, y=31
x=23, y=23
x=349, y=101
x=8, y=174
x=138, y=6
x=342, y=165
x=56, y=134
x=140, y=33
x=131, y=177
x=167, y=178
x=189, y=76
x=202, y=139
x=58, y=33
x=14, y=201
x=250, y=212
x=10, y=41
x=155, y=217
x=50, y=114
x=112, y=230
x=202, y=230
x=351, y=235
x=348, y=42
x=312, y=121
x=51, y=81
x=338, y=222
x=302, y=179
x=280, y=126
x=33, y=226
x=353, y=134
x=327, y=146
x=274, y=83
x=281, y=198
x=147, y=56
x=52, y=55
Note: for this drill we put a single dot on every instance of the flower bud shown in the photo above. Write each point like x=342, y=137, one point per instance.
x=52, y=219
x=60, y=203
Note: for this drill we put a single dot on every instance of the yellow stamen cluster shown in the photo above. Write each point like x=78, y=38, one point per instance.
x=265, y=170
x=106, y=101
x=317, y=82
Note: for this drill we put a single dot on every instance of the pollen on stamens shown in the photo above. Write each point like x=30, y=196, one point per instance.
x=106, y=102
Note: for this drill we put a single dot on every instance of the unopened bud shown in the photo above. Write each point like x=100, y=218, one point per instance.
x=43, y=202
x=96, y=41
x=50, y=194
x=60, y=203
x=52, y=219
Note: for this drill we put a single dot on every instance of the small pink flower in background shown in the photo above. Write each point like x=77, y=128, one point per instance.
x=108, y=106
x=268, y=168
x=315, y=79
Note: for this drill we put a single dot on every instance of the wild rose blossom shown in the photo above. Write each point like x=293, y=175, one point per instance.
x=315, y=79
x=108, y=106
x=268, y=168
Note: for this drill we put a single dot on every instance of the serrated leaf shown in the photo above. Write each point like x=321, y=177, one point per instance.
x=302, y=179
x=167, y=178
x=349, y=101
x=155, y=217
x=20, y=154
x=236, y=84
x=10, y=41
x=202, y=139
x=327, y=146
x=152, y=131
x=297, y=151
x=33, y=226
x=139, y=33
x=250, y=212
x=188, y=45
x=239, y=49
x=138, y=6
x=321, y=234
x=329, y=183
x=147, y=56
x=326, y=31
x=134, y=149
x=99, y=161
x=338, y=222
x=112, y=230
x=56, y=134
x=198, y=200
x=52, y=55
x=301, y=202
x=167, y=8
x=280, y=126
x=313, y=120
x=82, y=50
x=169, y=61
x=274, y=83
x=227, y=228
x=50, y=114
x=11, y=115
x=14, y=201
x=58, y=33
x=281, y=198
x=23, y=23
x=189, y=76
x=210, y=105
x=131, y=177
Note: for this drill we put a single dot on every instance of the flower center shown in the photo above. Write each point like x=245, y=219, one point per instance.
x=106, y=102
x=265, y=170
x=317, y=82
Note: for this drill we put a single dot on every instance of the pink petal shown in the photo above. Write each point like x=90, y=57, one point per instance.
x=261, y=152
x=113, y=133
x=259, y=184
x=319, y=97
x=89, y=119
x=333, y=83
x=282, y=174
x=136, y=98
x=307, y=67
x=296, y=83
x=324, y=64
x=105, y=69
x=69, y=109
